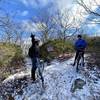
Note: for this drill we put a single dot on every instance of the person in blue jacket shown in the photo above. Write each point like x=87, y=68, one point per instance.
x=80, y=46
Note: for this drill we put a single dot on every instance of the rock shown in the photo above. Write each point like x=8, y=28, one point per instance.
x=77, y=84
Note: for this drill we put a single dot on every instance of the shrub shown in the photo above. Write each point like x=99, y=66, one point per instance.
x=94, y=49
x=10, y=58
x=59, y=47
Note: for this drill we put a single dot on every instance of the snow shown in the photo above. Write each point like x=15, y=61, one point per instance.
x=59, y=77
x=17, y=75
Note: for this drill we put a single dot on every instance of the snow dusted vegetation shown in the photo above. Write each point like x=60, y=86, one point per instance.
x=62, y=82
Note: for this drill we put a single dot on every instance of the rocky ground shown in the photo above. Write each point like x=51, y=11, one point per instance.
x=62, y=82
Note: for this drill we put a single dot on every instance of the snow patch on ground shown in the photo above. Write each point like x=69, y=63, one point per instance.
x=59, y=77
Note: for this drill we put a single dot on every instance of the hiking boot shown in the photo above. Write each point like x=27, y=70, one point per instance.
x=83, y=64
x=35, y=81
x=73, y=64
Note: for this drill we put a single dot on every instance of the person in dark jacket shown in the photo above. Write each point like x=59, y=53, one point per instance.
x=80, y=46
x=33, y=54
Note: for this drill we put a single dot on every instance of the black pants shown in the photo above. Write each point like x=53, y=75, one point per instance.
x=77, y=53
x=34, y=67
x=33, y=70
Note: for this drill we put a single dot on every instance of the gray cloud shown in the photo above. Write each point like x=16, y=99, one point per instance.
x=41, y=3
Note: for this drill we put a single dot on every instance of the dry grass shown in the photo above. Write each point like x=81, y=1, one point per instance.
x=9, y=54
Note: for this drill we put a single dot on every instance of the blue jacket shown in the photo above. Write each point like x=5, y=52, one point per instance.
x=80, y=44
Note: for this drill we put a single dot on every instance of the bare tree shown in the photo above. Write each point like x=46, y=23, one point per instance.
x=95, y=13
x=10, y=31
x=18, y=33
x=66, y=24
x=44, y=26
x=6, y=27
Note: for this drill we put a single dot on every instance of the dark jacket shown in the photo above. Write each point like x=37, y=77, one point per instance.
x=33, y=52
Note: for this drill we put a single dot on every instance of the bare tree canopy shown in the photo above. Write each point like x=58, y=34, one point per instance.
x=44, y=26
x=66, y=23
x=10, y=31
x=92, y=8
